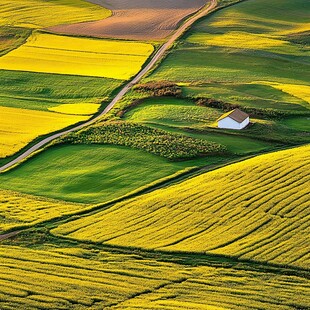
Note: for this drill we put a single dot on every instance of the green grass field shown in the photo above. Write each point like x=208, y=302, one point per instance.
x=173, y=112
x=236, y=53
x=88, y=173
x=41, y=91
x=256, y=209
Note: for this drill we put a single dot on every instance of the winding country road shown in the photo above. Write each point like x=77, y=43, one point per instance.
x=158, y=55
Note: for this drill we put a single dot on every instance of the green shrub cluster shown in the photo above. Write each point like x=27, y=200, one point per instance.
x=155, y=141
x=253, y=112
x=159, y=89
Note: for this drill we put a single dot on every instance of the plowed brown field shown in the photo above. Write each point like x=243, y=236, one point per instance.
x=135, y=19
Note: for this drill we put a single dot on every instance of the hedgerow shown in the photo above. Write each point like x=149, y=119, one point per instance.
x=155, y=141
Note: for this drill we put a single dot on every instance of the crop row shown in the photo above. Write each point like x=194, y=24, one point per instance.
x=64, y=278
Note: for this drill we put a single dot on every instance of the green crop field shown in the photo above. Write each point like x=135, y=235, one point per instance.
x=245, y=54
x=41, y=91
x=88, y=173
x=256, y=209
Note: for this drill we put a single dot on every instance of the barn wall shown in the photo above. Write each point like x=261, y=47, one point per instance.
x=228, y=123
x=245, y=123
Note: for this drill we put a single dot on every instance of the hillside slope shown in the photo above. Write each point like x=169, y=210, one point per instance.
x=257, y=209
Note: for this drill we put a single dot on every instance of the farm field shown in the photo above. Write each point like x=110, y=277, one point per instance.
x=245, y=54
x=33, y=13
x=127, y=281
x=18, y=127
x=151, y=205
x=18, y=209
x=89, y=173
x=43, y=92
x=257, y=209
x=12, y=37
x=184, y=117
x=135, y=19
x=78, y=56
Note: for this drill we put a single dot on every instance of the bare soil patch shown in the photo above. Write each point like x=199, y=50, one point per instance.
x=135, y=19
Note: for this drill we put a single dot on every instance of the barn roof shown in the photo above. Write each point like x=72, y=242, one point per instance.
x=236, y=114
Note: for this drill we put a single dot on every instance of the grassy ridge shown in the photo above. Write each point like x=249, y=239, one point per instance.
x=33, y=13
x=78, y=56
x=256, y=209
x=130, y=281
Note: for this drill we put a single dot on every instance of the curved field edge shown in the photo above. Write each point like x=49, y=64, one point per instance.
x=257, y=209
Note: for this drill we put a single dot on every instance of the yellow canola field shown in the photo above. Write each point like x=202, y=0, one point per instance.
x=76, y=108
x=41, y=13
x=78, y=56
x=18, y=209
x=84, y=279
x=296, y=90
x=256, y=209
x=18, y=127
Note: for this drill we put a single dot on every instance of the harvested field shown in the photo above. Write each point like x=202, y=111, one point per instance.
x=138, y=19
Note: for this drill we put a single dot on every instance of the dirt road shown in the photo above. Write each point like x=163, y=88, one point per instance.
x=160, y=53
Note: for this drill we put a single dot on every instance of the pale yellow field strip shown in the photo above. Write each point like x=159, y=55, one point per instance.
x=78, y=56
x=41, y=13
x=76, y=108
x=18, y=127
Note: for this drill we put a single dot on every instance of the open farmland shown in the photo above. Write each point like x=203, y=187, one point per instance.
x=18, y=209
x=257, y=209
x=135, y=19
x=245, y=54
x=151, y=206
x=78, y=56
x=40, y=13
x=44, y=92
x=89, y=173
x=18, y=127
x=129, y=281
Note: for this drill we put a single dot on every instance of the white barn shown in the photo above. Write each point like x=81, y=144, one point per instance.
x=235, y=119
